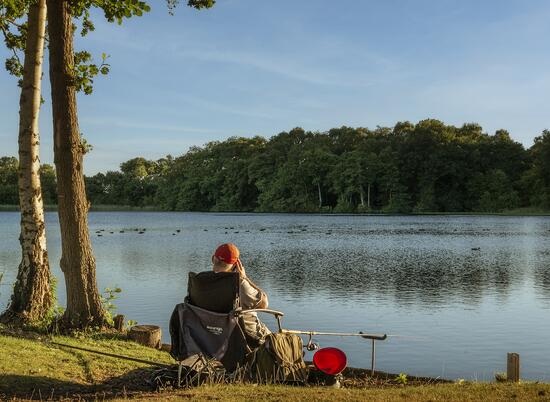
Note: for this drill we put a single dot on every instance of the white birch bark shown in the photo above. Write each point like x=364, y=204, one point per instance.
x=32, y=297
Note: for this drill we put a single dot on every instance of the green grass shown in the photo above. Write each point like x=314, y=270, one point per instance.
x=100, y=208
x=442, y=392
x=527, y=211
x=9, y=208
x=123, y=208
x=14, y=208
x=31, y=364
x=32, y=367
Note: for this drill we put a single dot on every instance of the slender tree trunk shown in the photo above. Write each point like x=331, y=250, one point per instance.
x=77, y=261
x=362, y=195
x=32, y=294
x=368, y=196
x=320, y=195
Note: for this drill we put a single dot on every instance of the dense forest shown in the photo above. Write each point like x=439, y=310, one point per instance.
x=427, y=167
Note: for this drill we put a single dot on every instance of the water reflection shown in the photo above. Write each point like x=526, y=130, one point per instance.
x=427, y=262
x=425, y=279
x=542, y=276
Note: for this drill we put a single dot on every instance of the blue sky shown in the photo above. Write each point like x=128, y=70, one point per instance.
x=258, y=67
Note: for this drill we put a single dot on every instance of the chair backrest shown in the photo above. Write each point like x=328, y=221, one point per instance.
x=217, y=292
x=214, y=335
x=205, y=325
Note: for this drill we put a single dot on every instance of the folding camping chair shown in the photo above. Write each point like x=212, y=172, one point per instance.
x=208, y=324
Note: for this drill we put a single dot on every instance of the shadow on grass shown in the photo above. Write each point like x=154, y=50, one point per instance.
x=14, y=386
x=138, y=381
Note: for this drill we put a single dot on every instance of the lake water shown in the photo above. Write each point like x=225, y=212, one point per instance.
x=454, y=310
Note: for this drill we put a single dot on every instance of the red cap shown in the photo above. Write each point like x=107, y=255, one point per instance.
x=228, y=253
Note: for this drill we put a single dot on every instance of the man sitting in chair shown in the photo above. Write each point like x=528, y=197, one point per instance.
x=226, y=259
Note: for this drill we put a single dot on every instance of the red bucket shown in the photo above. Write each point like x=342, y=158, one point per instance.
x=330, y=361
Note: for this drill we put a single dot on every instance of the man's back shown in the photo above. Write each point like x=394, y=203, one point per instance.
x=213, y=291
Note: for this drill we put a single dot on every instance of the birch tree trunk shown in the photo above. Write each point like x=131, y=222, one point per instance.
x=320, y=195
x=32, y=294
x=77, y=261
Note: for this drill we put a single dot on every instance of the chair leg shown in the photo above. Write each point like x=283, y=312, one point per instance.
x=180, y=367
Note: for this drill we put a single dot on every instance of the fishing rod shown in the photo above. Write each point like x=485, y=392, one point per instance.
x=279, y=314
x=378, y=337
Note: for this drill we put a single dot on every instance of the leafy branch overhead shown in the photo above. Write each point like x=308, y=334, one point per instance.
x=117, y=10
x=114, y=10
x=14, y=34
x=198, y=4
x=84, y=69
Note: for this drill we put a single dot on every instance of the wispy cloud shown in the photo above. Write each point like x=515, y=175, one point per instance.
x=318, y=58
x=280, y=65
x=156, y=127
x=252, y=111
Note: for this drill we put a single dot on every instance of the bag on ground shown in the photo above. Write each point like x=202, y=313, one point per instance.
x=280, y=359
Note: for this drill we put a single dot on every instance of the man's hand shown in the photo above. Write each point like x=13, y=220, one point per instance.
x=239, y=267
x=263, y=302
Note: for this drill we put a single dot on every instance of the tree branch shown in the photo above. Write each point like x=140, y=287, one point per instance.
x=5, y=33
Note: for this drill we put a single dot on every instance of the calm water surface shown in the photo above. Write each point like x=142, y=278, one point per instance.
x=455, y=312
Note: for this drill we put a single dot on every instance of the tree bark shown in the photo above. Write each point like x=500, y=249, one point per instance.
x=32, y=293
x=362, y=195
x=147, y=335
x=77, y=261
x=320, y=195
x=118, y=321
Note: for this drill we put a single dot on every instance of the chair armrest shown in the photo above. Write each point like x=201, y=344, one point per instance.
x=260, y=310
x=277, y=314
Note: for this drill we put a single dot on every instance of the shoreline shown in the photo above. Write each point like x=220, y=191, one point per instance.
x=521, y=212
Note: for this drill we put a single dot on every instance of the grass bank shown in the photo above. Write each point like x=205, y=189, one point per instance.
x=32, y=366
x=99, y=208
x=123, y=208
x=527, y=211
x=8, y=208
x=15, y=208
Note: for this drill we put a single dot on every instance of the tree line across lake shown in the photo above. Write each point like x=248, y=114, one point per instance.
x=427, y=167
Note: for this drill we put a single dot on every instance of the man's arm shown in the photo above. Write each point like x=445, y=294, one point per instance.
x=263, y=302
